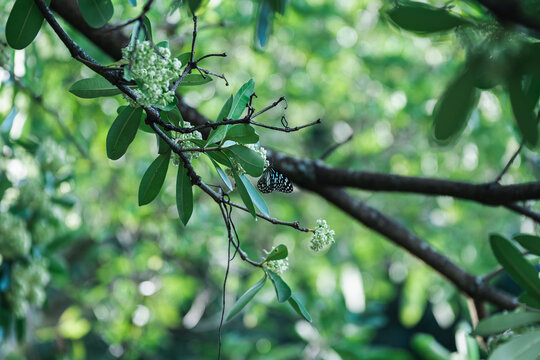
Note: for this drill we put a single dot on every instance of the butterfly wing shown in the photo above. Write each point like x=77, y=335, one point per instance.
x=282, y=183
x=265, y=183
x=272, y=180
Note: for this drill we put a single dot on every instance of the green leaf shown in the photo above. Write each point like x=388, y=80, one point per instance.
x=153, y=179
x=523, y=111
x=175, y=117
x=221, y=174
x=256, y=198
x=423, y=18
x=93, y=88
x=23, y=23
x=242, y=134
x=454, y=108
x=279, y=252
x=499, y=323
x=163, y=147
x=218, y=134
x=246, y=298
x=220, y=157
x=263, y=28
x=529, y=242
x=241, y=99
x=283, y=291
x=519, y=347
x=252, y=163
x=299, y=308
x=133, y=2
x=515, y=264
x=195, y=79
x=4, y=184
x=244, y=194
x=194, y=5
x=96, y=12
x=143, y=126
x=170, y=106
x=529, y=300
x=184, y=58
x=122, y=132
x=426, y=345
x=7, y=124
x=148, y=25
x=279, y=6
x=184, y=195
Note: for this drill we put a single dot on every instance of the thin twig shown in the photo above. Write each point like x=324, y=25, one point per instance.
x=490, y=275
x=210, y=55
x=525, y=211
x=208, y=72
x=145, y=9
x=273, y=105
x=335, y=147
x=509, y=163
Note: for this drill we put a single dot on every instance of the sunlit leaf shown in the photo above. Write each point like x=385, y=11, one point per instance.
x=279, y=252
x=23, y=23
x=246, y=298
x=153, y=179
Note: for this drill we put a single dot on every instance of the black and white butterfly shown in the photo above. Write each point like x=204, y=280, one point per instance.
x=272, y=180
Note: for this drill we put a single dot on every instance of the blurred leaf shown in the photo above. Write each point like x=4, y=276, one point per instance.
x=122, y=132
x=523, y=111
x=216, y=135
x=244, y=194
x=242, y=134
x=133, y=2
x=148, y=26
x=241, y=99
x=263, y=28
x=195, y=79
x=529, y=300
x=184, y=195
x=279, y=6
x=499, y=323
x=7, y=124
x=96, y=12
x=423, y=18
x=93, y=88
x=153, y=179
x=252, y=163
x=4, y=184
x=515, y=264
x=299, y=308
x=519, y=347
x=175, y=117
x=20, y=328
x=184, y=58
x=257, y=199
x=23, y=23
x=194, y=5
x=72, y=325
x=163, y=147
x=279, y=252
x=283, y=291
x=529, y=242
x=246, y=298
x=222, y=175
x=428, y=348
x=454, y=108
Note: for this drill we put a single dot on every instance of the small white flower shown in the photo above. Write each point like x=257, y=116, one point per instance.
x=183, y=139
x=323, y=237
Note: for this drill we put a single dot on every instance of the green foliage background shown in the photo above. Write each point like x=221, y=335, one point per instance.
x=343, y=62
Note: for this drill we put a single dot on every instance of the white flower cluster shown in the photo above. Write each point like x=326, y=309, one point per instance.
x=14, y=237
x=323, y=237
x=277, y=266
x=28, y=285
x=153, y=73
x=239, y=169
x=184, y=140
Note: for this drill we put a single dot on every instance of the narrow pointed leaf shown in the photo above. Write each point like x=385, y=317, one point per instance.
x=222, y=175
x=523, y=111
x=454, y=108
x=195, y=79
x=242, y=134
x=93, y=88
x=23, y=24
x=499, y=323
x=244, y=194
x=515, y=264
x=241, y=99
x=519, y=347
x=122, y=132
x=246, y=298
x=256, y=198
x=184, y=58
x=529, y=242
x=220, y=157
x=153, y=179
x=279, y=252
x=252, y=163
x=184, y=195
x=529, y=300
x=299, y=308
x=264, y=24
x=283, y=291
x=216, y=135
x=175, y=117
x=96, y=12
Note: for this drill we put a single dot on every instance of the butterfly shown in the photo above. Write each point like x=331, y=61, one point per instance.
x=272, y=180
